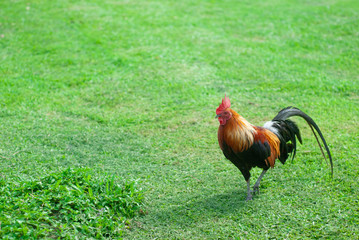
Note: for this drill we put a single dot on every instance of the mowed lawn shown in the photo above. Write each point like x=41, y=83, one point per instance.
x=129, y=88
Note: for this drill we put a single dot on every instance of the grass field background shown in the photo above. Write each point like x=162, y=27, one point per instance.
x=130, y=88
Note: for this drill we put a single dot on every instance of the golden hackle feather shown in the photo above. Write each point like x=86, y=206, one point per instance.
x=274, y=144
x=238, y=132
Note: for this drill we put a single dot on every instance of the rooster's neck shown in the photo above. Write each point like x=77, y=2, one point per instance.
x=241, y=121
x=238, y=132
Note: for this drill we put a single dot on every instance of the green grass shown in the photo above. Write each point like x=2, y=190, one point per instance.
x=129, y=89
x=66, y=204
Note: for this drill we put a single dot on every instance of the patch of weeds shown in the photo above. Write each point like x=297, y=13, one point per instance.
x=72, y=202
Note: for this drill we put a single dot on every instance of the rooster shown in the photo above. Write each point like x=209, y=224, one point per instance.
x=248, y=146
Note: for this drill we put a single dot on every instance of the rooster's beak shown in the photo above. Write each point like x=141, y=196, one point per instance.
x=218, y=115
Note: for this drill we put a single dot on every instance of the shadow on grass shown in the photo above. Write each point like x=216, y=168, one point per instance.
x=193, y=211
x=223, y=203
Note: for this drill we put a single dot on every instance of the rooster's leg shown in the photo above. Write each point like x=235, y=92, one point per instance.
x=249, y=194
x=247, y=176
x=256, y=185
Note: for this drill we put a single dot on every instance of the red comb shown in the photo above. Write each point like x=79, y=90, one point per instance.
x=224, y=105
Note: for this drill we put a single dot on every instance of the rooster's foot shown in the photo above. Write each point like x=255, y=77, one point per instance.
x=249, y=197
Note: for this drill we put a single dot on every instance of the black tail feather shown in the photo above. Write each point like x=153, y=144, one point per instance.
x=288, y=112
x=288, y=133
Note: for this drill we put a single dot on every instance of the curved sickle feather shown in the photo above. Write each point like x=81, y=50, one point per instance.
x=292, y=111
x=321, y=149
